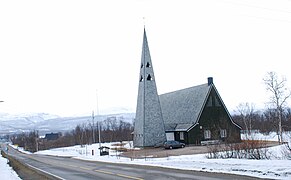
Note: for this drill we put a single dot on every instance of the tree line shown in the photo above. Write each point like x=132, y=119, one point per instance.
x=111, y=130
x=264, y=121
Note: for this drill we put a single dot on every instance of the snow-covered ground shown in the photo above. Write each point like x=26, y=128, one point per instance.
x=6, y=171
x=277, y=167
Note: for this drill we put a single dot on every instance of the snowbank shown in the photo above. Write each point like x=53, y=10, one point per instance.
x=6, y=171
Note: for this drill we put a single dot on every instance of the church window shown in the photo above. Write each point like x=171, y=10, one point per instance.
x=209, y=102
x=181, y=135
x=207, y=134
x=141, y=65
x=141, y=79
x=223, y=133
x=217, y=103
x=149, y=78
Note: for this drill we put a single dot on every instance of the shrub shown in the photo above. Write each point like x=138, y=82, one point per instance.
x=248, y=149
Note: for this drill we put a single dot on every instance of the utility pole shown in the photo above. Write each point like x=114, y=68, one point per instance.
x=99, y=131
x=93, y=128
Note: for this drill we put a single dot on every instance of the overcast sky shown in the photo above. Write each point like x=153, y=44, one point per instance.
x=55, y=55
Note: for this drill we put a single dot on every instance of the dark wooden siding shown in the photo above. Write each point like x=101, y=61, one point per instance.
x=177, y=137
x=214, y=117
x=194, y=136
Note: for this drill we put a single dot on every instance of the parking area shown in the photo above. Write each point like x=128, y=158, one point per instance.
x=161, y=152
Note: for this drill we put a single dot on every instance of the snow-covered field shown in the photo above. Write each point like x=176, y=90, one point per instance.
x=277, y=167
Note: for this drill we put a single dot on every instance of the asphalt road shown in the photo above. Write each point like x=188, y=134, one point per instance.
x=71, y=169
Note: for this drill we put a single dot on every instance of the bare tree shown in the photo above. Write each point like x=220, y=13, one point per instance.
x=278, y=98
x=267, y=124
x=247, y=113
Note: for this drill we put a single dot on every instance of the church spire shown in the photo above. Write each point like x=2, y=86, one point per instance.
x=149, y=127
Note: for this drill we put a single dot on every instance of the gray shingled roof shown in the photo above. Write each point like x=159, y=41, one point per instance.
x=182, y=107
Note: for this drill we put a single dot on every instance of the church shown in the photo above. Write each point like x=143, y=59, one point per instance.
x=194, y=115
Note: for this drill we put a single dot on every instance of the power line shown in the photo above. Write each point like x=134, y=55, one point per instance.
x=258, y=7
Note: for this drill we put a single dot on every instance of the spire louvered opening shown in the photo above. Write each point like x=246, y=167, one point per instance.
x=141, y=65
x=141, y=79
x=149, y=78
x=148, y=65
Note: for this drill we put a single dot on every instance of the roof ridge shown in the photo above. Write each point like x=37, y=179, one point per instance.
x=184, y=89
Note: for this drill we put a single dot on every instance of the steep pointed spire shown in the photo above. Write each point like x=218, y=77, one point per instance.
x=146, y=60
x=149, y=129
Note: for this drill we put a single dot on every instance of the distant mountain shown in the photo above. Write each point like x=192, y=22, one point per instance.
x=46, y=123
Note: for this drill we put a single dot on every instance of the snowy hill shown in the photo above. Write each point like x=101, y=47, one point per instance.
x=46, y=123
